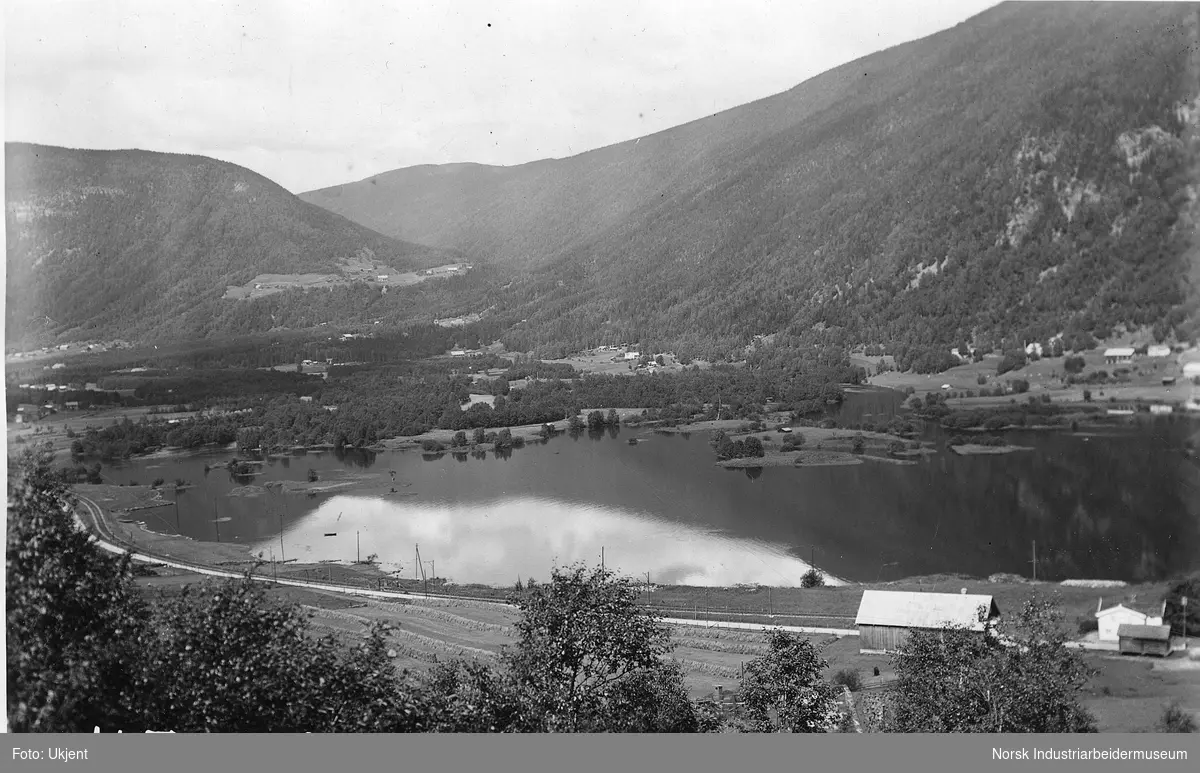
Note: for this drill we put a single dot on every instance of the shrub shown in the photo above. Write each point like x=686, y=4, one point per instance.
x=812, y=579
x=157, y=482
x=429, y=445
x=848, y=677
x=858, y=446
x=1088, y=624
x=1176, y=719
x=981, y=379
x=312, y=475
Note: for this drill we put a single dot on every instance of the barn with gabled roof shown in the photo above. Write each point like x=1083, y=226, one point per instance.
x=885, y=618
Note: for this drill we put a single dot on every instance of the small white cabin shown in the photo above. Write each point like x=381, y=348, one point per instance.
x=1111, y=619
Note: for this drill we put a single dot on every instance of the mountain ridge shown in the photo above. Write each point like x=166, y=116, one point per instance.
x=989, y=155
x=125, y=241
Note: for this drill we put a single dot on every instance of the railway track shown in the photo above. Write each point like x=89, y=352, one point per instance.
x=90, y=519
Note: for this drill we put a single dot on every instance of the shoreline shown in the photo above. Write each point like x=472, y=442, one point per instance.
x=974, y=449
x=119, y=507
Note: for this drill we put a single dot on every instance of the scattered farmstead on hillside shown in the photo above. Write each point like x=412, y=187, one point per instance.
x=885, y=618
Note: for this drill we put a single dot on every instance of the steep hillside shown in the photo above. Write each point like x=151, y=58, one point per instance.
x=1016, y=177
x=136, y=244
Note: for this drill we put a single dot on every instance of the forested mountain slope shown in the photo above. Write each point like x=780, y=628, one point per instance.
x=1026, y=173
x=133, y=244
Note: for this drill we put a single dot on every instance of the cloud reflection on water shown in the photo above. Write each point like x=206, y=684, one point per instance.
x=494, y=543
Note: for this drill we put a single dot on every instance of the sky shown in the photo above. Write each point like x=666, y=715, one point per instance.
x=313, y=93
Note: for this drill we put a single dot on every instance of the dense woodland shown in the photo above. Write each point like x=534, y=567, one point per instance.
x=1001, y=182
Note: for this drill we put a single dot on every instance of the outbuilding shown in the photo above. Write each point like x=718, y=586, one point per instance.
x=1145, y=640
x=886, y=618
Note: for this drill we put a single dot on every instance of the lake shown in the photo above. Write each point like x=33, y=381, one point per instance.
x=1118, y=504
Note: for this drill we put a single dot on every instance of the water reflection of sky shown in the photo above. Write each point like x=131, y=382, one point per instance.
x=494, y=543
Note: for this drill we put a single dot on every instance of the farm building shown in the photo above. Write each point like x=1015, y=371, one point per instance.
x=1158, y=350
x=1111, y=619
x=306, y=398
x=885, y=618
x=1145, y=639
x=1118, y=354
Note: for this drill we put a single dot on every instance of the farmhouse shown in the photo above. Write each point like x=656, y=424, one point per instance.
x=306, y=398
x=458, y=352
x=1145, y=639
x=1111, y=619
x=885, y=618
x=1118, y=354
x=1158, y=350
x=632, y=355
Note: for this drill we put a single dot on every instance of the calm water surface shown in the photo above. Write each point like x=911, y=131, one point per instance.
x=1123, y=504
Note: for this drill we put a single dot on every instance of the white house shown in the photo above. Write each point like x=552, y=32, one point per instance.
x=1158, y=350
x=1033, y=348
x=1118, y=354
x=1114, y=617
x=632, y=355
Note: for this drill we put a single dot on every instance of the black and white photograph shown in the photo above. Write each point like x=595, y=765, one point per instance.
x=601, y=366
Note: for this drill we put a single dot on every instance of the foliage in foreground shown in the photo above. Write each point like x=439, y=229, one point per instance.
x=1019, y=677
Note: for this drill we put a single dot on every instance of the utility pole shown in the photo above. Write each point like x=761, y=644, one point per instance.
x=647, y=589
x=1034, y=561
x=282, y=555
x=217, y=520
x=602, y=557
x=770, y=609
x=1183, y=603
x=357, y=547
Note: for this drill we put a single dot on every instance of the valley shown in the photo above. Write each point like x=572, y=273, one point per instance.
x=927, y=322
